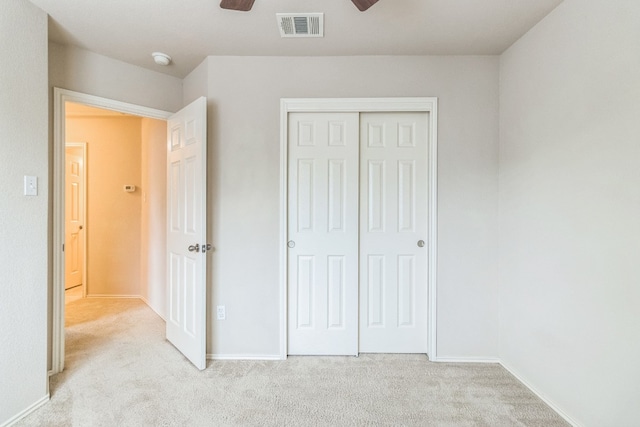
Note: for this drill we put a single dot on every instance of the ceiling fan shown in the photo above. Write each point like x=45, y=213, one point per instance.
x=245, y=5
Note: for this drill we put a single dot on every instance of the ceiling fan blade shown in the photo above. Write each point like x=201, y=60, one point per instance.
x=240, y=5
x=364, y=4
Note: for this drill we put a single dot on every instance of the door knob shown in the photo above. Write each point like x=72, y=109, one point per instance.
x=80, y=227
x=194, y=248
x=291, y=244
x=421, y=243
x=206, y=247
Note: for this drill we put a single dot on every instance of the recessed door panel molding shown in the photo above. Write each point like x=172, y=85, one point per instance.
x=392, y=175
x=190, y=136
x=305, y=194
x=305, y=289
x=323, y=226
x=376, y=135
x=175, y=291
x=190, y=297
x=175, y=138
x=406, y=195
x=337, y=136
x=406, y=290
x=406, y=135
x=191, y=197
x=174, y=186
x=336, y=202
x=306, y=134
x=376, y=195
x=75, y=198
x=336, y=291
x=374, y=295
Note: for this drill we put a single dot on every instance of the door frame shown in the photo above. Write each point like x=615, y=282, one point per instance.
x=428, y=105
x=60, y=97
x=83, y=146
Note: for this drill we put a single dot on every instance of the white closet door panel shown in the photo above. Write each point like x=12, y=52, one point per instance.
x=323, y=232
x=393, y=219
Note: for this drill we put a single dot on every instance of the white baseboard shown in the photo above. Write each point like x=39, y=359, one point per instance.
x=152, y=308
x=464, y=360
x=113, y=296
x=243, y=357
x=26, y=412
x=545, y=399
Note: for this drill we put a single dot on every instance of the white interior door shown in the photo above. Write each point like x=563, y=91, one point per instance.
x=393, y=232
x=186, y=231
x=323, y=234
x=74, y=206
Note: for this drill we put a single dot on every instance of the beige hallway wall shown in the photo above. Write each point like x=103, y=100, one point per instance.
x=153, y=214
x=113, y=216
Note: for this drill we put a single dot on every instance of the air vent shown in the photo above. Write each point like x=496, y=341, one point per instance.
x=301, y=25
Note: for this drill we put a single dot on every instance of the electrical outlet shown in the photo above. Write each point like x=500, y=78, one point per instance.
x=222, y=314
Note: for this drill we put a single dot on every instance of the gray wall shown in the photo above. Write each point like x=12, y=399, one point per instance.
x=23, y=220
x=87, y=72
x=244, y=206
x=569, y=209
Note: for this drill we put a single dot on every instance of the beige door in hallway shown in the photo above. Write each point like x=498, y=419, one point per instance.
x=75, y=196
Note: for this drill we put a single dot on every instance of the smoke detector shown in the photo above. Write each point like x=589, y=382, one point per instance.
x=161, y=58
x=301, y=24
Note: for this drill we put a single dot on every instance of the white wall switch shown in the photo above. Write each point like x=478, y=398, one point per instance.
x=222, y=315
x=129, y=188
x=30, y=185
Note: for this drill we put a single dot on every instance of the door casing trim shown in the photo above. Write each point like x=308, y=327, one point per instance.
x=60, y=97
x=427, y=105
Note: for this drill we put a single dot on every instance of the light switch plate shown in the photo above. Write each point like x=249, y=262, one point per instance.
x=30, y=185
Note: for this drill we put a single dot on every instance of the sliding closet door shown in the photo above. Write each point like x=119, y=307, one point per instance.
x=323, y=234
x=393, y=232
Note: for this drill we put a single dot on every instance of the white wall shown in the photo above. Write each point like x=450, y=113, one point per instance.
x=23, y=220
x=244, y=94
x=570, y=209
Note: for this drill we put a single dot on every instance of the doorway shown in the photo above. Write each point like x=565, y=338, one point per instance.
x=343, y=240
x=61, y=99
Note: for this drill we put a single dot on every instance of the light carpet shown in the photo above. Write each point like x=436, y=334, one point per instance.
x=120, y=371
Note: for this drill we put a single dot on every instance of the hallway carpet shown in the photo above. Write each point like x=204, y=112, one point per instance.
x=120, y=371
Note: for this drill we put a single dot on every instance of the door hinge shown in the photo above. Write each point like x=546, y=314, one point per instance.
x=63, y=247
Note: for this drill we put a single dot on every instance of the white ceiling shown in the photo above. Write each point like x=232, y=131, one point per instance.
x=190, y=30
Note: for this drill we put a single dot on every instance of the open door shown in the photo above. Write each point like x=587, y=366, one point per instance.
x=186, y=231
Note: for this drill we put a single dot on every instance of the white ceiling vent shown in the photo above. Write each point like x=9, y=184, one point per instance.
x=301, y=24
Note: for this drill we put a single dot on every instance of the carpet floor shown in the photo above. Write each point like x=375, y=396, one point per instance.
x=120, y=371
